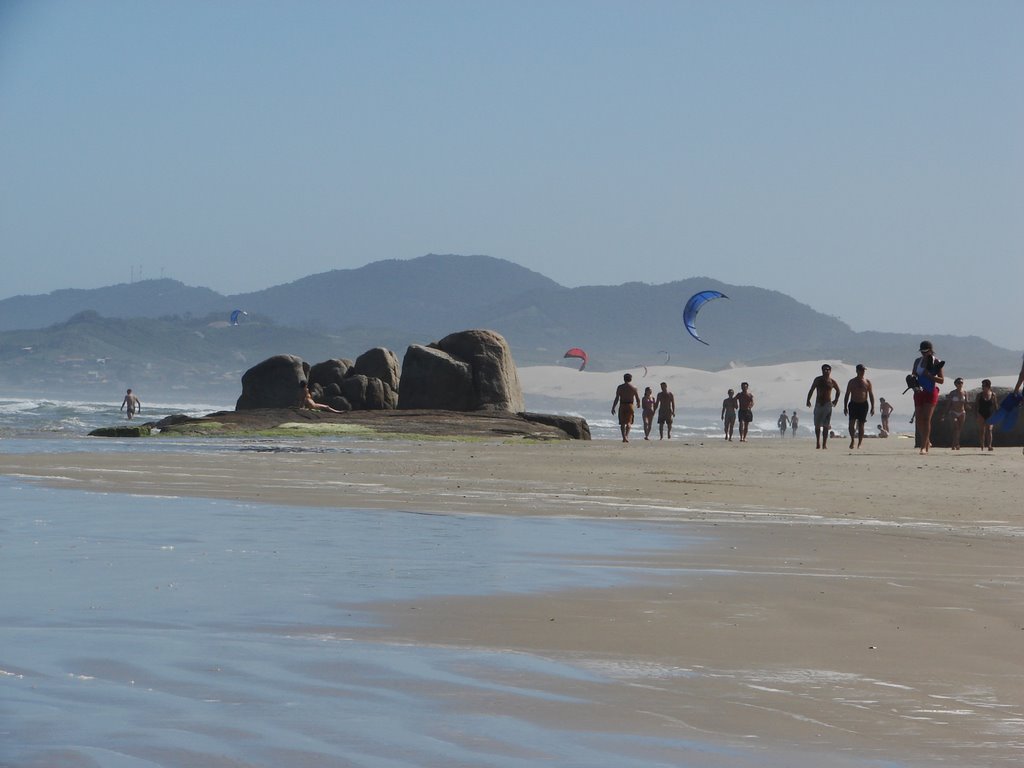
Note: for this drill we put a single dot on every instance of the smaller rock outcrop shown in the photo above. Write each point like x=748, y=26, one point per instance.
x=575, y=427
x=143, y=430
x=380, y=368
x=326, y=382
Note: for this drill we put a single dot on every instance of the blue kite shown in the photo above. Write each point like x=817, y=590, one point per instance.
x=693, y=306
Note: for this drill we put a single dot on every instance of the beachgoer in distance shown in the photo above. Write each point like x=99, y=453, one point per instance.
x=131, y=403
x=855, y=403
x=647, y=411
x=882, y=431
x=744, y=410
x=927, y=368
x=729, y=414
x=783, y=424
x=957, y=399
x=885, y=409
x=306, y=400
x=822, y=387
x=626, y=399
x=985, y=404
x=794, y=422
x=666, y=403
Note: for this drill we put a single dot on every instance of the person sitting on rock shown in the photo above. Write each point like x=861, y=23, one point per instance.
x=306, y=400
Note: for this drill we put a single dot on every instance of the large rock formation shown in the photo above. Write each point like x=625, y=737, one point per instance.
x=466, y=371
x=274, y=383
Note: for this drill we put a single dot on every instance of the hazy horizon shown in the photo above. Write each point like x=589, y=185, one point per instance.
x=865, y=159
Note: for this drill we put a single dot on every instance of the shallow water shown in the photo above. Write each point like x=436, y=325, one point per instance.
x=140, y=631
x=44, y=419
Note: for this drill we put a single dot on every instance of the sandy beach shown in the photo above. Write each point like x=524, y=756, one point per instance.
x=866, y=603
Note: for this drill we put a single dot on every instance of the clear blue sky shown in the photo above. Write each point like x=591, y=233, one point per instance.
x=864, y=157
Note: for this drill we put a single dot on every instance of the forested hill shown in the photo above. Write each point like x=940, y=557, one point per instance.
x=163, y=325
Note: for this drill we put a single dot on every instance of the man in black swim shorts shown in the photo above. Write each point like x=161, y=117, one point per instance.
x=859, y=395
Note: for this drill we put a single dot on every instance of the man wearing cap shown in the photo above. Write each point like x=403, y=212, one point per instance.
x=855, y=403
x=824, y=386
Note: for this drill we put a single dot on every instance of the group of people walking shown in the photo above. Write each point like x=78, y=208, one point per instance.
x=927, y=373
x=858, y=403
x=627, y=400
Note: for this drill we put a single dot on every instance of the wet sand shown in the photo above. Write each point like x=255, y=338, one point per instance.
x=863, y=603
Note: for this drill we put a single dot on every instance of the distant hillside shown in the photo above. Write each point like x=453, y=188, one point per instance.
x=146, y=298
x=431, y=296
x=161, y=330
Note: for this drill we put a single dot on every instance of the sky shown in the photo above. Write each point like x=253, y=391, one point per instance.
x=865, y=158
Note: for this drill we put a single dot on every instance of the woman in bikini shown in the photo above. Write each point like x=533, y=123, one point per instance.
x=985, y=405
x=647, y=404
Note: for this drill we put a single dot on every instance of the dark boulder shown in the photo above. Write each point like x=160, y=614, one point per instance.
x=432, y=379
x=365, y=393
x=435, y=376
x=495, y=380
x=378, y=363
x=329, y=372
x=273, y=383
x=575, y=427
x=143, y=430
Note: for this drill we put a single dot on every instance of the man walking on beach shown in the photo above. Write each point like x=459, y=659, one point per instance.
x=855, y=403
x=665, y=402
x=744, y=410
x=823, y=385
x=627, y=398
x=783, y=423
x=729, y=414
x=794, y=422
x=132, y=404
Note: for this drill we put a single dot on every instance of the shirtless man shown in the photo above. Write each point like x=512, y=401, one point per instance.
x=665, y=402
x=783, y=423
x=627, y=398
x=744, y=410
x=132, y=404
x=855, y=403
x=729, y=414
x=823, y=385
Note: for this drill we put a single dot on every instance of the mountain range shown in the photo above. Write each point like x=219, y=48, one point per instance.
x=164, y=331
